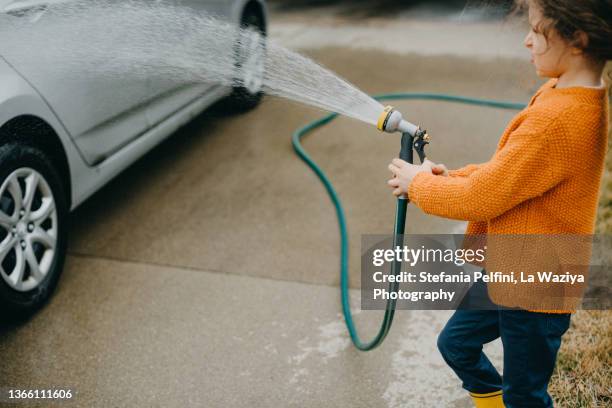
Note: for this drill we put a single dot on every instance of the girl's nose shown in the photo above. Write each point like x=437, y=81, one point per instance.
x=528, y=41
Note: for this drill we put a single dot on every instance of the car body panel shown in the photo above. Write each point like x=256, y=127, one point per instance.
x=102, y=113
x=19, y=98
x=112, y=166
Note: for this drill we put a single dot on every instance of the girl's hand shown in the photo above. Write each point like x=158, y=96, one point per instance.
x=404, y=172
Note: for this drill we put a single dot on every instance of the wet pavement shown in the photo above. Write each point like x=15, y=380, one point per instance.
x=207, y=273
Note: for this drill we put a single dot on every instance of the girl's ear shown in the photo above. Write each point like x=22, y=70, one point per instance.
x=580, y=42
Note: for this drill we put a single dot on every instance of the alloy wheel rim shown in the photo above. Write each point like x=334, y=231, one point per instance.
x=28, y=229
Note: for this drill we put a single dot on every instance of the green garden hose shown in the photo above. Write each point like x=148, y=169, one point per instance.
x=400, y=220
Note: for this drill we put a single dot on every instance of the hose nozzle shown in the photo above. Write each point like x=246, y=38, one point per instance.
x=391, y=121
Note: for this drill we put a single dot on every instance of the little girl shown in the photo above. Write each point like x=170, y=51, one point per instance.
x=543, y=179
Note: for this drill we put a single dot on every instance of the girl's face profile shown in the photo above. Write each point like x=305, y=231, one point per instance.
x=549, y=51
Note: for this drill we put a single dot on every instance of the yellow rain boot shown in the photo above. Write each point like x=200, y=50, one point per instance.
x=488, y=400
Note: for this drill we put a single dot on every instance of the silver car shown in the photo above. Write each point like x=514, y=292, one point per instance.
x=59, y=143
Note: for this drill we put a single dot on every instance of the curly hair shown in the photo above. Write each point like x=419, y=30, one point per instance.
x=569, y=17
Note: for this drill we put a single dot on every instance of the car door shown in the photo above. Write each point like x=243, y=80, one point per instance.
x=102, y=112
x=171, y=94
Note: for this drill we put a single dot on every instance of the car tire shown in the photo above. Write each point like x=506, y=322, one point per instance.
x=33, y=230
x=243, y=99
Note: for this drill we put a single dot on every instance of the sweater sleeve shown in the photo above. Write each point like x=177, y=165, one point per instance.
x=464, y=171
x=524, y=168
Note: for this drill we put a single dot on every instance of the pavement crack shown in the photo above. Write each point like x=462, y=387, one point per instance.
x=83, y=255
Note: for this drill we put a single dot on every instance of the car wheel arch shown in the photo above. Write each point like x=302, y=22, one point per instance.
x=37, y=133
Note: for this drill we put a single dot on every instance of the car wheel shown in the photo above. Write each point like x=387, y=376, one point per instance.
x=250, y=63
x=33, y=233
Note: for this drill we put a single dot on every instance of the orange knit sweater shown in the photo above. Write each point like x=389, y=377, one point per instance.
x=544, y=177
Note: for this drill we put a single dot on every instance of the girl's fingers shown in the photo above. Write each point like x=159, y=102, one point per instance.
x=439, y=169
x=399, y=162
x=394, y=169
x=393, y=182
x=397, y=192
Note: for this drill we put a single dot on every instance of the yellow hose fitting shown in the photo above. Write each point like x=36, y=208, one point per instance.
x=384, y=117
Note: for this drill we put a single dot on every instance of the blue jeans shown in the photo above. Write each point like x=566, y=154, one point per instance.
x=530, y=340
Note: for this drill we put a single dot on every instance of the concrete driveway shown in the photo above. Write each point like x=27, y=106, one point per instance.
x=207, y=273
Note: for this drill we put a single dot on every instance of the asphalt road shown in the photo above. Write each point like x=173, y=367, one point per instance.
x=207, y=273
